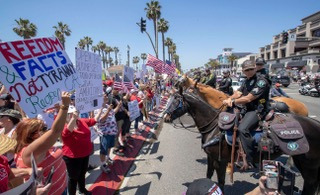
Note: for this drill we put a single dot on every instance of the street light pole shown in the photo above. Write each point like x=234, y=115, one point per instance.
x=128, y=53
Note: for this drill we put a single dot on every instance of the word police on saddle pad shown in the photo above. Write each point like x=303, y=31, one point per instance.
x=287, y=133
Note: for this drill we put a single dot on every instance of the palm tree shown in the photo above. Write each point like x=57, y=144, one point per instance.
x=143, y=57
x=81, y=44
x=61, y=31
x=168, y=43
x=94, y=48
x=108, y=51
x=136, y=60
x=101, y=47
x=25, y=29
x=88, y=41
x=213, y=63
x=172, y=50
x=153, y=13
x=163, y=28
x=232, y=58
x=116, y=51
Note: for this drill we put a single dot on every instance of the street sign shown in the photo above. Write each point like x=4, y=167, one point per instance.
x=292, y=37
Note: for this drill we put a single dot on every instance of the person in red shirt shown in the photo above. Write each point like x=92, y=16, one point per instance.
x=149, y=98
x=77, y=147
x=133, y=97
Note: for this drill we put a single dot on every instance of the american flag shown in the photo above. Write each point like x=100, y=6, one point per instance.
x=127, y=83
x=155, y=63
x=118, y=84
x=169, y=67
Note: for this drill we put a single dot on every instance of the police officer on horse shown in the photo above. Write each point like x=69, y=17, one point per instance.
x=260, y=67
x=226, y=82
x=254, y=94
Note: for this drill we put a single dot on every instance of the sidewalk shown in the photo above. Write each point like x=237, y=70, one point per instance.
x=101, y=183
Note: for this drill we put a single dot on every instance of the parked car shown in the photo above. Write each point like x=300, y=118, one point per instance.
x=284, y=80
x=235, y=85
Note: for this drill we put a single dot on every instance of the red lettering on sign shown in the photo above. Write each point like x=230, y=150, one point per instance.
x=18, y=45
x=42, y=46
x=5, y=50
x=55, y=43
x=30, y=44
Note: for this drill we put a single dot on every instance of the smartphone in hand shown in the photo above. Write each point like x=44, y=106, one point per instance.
x=271, y=170
x=49, y=178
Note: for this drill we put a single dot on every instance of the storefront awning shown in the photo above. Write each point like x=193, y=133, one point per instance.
x=297, y=63
x=277, y=65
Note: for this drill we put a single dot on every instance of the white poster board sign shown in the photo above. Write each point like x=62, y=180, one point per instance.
x=35, y=71
x=134, y=110
x=128, y=73
x=89, y=94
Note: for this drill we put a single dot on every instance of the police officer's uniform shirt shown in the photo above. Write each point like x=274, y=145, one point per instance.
x=259, y=87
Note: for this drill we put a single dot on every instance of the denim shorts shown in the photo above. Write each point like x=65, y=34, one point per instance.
x=106, y=142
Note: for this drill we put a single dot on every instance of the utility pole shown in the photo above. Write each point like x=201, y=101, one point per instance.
x=128, y=53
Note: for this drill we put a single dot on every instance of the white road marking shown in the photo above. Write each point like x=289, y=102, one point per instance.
x=313, y=116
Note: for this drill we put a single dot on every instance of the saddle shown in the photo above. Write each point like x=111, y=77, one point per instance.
x=285, y=132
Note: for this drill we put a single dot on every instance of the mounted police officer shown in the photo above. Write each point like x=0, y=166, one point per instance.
x=260, y=67
x=211, y=78
x=226, y=82
x=254, y=94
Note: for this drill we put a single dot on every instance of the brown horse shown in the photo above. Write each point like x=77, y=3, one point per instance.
x=212, y=96
x=205, y=117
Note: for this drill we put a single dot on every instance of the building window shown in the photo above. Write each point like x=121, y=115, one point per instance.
x=268, y=56
x=275, y=54
x=262, y=55
x=283, y=53
x=316, y=33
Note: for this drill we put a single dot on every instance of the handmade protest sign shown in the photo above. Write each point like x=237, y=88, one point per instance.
x=89, y=95
x=128, y=72
x=134, y=110
x=35, y=71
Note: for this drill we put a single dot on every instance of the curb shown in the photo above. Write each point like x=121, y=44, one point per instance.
x=111, y=182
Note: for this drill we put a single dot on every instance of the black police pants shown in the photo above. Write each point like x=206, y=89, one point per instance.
x=249, y=122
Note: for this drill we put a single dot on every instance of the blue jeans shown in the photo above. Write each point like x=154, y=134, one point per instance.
x=137, y=120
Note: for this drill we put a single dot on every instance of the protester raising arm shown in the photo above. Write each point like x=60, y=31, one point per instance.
x=43, y=143
x=73, y=121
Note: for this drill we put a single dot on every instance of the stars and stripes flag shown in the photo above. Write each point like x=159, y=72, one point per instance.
x=128, y=84
x=169, y=67
x=118, y=84
x=155, y=63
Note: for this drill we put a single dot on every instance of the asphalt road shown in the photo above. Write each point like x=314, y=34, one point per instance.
x=313, y=103
x=171, y=163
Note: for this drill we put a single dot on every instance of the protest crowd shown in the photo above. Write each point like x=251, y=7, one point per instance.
x=118, y=110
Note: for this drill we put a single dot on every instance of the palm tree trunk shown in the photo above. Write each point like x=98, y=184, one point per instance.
x=163, y=48
x=156, y=35
x=115, y=58
x=109, y=59
x=103, y=62
x=169, y=54
x=87, y=47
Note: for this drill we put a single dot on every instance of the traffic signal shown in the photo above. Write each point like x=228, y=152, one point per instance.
x=285, y=37
x=142, y=25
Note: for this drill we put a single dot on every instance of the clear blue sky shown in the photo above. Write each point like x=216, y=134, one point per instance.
x=200, y=28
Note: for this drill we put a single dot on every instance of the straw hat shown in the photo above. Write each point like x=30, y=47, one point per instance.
x=6, y=144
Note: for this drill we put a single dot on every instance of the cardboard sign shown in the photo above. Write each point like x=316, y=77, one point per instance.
x=89, y=94
x=134, y=110
x=128, y=72
x=35, y=71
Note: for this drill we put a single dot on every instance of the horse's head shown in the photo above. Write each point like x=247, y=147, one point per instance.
x=184, y=81
x=201, y=111
x=176, y=108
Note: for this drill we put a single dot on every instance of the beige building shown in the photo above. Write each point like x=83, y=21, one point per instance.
x=239, y=62
x=302, y=49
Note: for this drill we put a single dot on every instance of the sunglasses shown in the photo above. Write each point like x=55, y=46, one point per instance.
x=250, y=69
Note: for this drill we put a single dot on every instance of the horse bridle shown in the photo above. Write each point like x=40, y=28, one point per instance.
x=214, y=118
